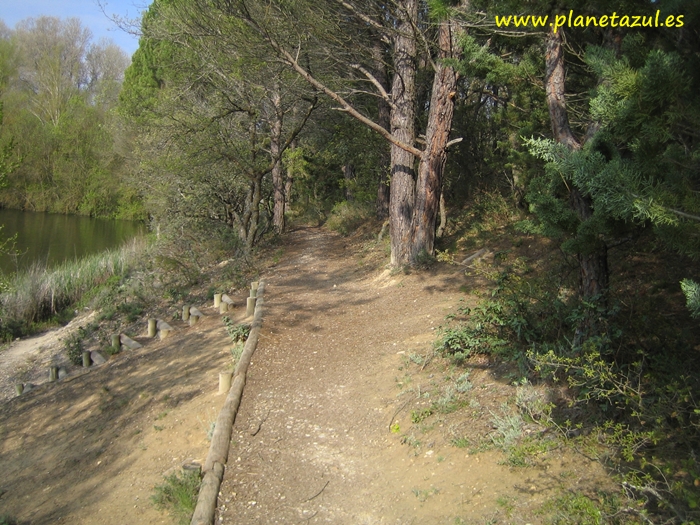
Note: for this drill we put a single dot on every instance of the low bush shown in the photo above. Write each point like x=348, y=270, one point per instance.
x=178, y=495
x=346, y=217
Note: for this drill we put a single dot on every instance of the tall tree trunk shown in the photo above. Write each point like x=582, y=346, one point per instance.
x=289, y=181
x=432, y=163
x=384, y=120
x=443, y=215
x=403, y=94
x=276, y=156
x=593, y=262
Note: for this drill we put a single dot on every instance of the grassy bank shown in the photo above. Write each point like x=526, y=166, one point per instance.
x=41, y=294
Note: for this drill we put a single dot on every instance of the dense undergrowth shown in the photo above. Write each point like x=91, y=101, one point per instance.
x=633, y=388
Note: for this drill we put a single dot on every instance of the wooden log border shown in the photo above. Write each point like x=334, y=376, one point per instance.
x=215, y=463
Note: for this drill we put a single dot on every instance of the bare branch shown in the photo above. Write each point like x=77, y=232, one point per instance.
x=374, y=81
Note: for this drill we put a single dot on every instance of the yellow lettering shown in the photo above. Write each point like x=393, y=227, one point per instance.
x=625, y=21
x=603, y=21
x=538, y=21
x=679, y=21
x=647, y=21
x=670, y=19
x=521, y=20
x=614, y=16
x=503, y=21
x=578, y=21
x=559, y=21
x=590, y=19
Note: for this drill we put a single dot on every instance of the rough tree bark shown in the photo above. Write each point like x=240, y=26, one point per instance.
x=276, y=155
x=403, y=95
x=432, y=163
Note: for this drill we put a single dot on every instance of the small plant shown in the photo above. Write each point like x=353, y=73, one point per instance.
x=445, y=257
x=447, y=402
x=73, y=345
x=508, y=427
x=7, y=520
x=416, y=358
x=178, y=495
x=395, y=428
x=417, y=416
x=461, y=442
x=132, y=310
x=463, y=385
x=236, y=351
x=423, y=495
x=237, y=332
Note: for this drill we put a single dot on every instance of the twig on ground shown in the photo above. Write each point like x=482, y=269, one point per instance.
x=319, y=492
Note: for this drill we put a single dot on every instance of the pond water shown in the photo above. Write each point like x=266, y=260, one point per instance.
x=54, y=238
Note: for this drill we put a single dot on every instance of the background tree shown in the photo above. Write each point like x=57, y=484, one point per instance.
x=59, y=100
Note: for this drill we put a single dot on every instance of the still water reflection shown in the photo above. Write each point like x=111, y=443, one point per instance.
x=55, y=238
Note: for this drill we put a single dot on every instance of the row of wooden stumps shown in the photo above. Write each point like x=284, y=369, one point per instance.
x=215, y=463
x=224, y=302
x=158, y=327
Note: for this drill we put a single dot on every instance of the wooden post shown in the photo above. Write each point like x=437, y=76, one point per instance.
x=217, y=300
x=129, y=342
x=53, y=373
x=225, y=382
x=152, y=327
x=194, y=319
x=19, y=388
x=186, y=313
x=86, y=359
x=229, y=304
x=116, y=342
x=250, y=310
x=254, y=289
x=195, y=311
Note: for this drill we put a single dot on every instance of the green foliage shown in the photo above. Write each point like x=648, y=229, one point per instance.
x=73, y=345
x=418, y=416
x=132, y=310
x=519, y=310
x=6, y=519
x=237, y=332
x=346, y=217
x=178, y=495
x=61, y=148
x=691, y=289
x=632, y=170
x=574, y=508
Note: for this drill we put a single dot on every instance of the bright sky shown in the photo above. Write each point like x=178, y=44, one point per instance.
x=12, y=11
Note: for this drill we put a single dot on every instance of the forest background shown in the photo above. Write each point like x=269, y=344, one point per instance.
x=233, y=118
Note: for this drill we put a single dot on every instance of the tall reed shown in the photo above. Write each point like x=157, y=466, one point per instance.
x=38, y=293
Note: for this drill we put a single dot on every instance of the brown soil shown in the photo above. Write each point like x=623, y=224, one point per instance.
x=348, y=416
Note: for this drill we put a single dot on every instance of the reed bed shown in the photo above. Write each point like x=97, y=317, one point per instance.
x=38, y=294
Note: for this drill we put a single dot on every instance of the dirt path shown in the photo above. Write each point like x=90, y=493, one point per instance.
x=337, y=425
x=312, y=442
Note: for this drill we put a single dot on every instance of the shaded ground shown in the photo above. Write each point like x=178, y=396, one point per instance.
x=348, y=417
x=335, y=427
x=90, y=448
